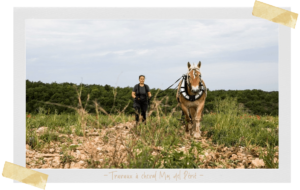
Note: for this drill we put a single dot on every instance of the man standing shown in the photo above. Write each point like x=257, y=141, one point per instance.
x=141, y=93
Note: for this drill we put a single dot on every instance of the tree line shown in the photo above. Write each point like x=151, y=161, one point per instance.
x=114, y=99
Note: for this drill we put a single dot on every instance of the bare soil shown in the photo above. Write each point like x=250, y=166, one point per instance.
x=107, y=148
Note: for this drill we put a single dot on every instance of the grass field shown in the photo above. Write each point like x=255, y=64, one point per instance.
x=231, y=138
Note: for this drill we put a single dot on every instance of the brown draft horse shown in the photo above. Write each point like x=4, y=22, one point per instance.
x=191, y=95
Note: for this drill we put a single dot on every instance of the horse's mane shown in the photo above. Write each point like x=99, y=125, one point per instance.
x=193, y=67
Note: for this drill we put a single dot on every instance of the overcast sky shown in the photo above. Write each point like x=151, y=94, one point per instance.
x=235, y=54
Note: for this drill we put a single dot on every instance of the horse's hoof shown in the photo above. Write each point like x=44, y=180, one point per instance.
x=197, y=135
x=187, y=135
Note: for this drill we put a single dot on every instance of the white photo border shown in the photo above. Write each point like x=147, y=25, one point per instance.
x=281, y=175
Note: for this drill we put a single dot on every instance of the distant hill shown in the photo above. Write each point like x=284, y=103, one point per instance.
x=257, y=102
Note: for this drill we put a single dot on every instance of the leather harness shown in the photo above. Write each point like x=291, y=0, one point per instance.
x=183, y=90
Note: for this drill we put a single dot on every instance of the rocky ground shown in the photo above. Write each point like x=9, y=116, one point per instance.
x=107, y=148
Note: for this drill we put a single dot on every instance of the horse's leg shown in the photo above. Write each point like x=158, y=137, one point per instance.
x=187, y=118
x=202, y=114
x=197, y=132
x=193, y=114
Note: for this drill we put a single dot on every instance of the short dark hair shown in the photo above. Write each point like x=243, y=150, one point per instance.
x=142, y=76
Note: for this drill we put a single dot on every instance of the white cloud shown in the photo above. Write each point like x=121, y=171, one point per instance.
x=154, y=48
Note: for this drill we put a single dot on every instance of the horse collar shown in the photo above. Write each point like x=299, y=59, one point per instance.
x=183, y=90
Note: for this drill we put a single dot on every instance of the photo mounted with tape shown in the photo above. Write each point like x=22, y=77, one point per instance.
x=63, y=143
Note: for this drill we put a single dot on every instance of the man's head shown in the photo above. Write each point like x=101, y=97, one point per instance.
x=142, y=79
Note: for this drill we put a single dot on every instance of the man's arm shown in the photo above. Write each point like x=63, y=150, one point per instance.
x=133, y=95
x=149, y=93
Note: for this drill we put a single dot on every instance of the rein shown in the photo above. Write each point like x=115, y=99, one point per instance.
x=182, y=89
x=175, y=82
x=184, y=76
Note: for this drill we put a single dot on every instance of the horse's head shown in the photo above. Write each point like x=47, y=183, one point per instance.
x=194, y=77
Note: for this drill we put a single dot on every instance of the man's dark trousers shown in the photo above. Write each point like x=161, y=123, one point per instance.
x=140, y=106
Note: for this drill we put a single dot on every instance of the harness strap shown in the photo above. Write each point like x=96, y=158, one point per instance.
x=139, y=90
x=192, y=98
x=183, y=90
x=175, y=82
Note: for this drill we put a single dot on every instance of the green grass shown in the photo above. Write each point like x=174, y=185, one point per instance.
x=181, y=160
x=230, y=125
x=66, y=158
x=269, y=157
x=92, y=163
x=73, y=147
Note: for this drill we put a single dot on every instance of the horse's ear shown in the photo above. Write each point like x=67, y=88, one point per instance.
x=199, y=64
x=189, y=65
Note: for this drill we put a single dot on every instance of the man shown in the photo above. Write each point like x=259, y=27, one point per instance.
x=141, y=93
